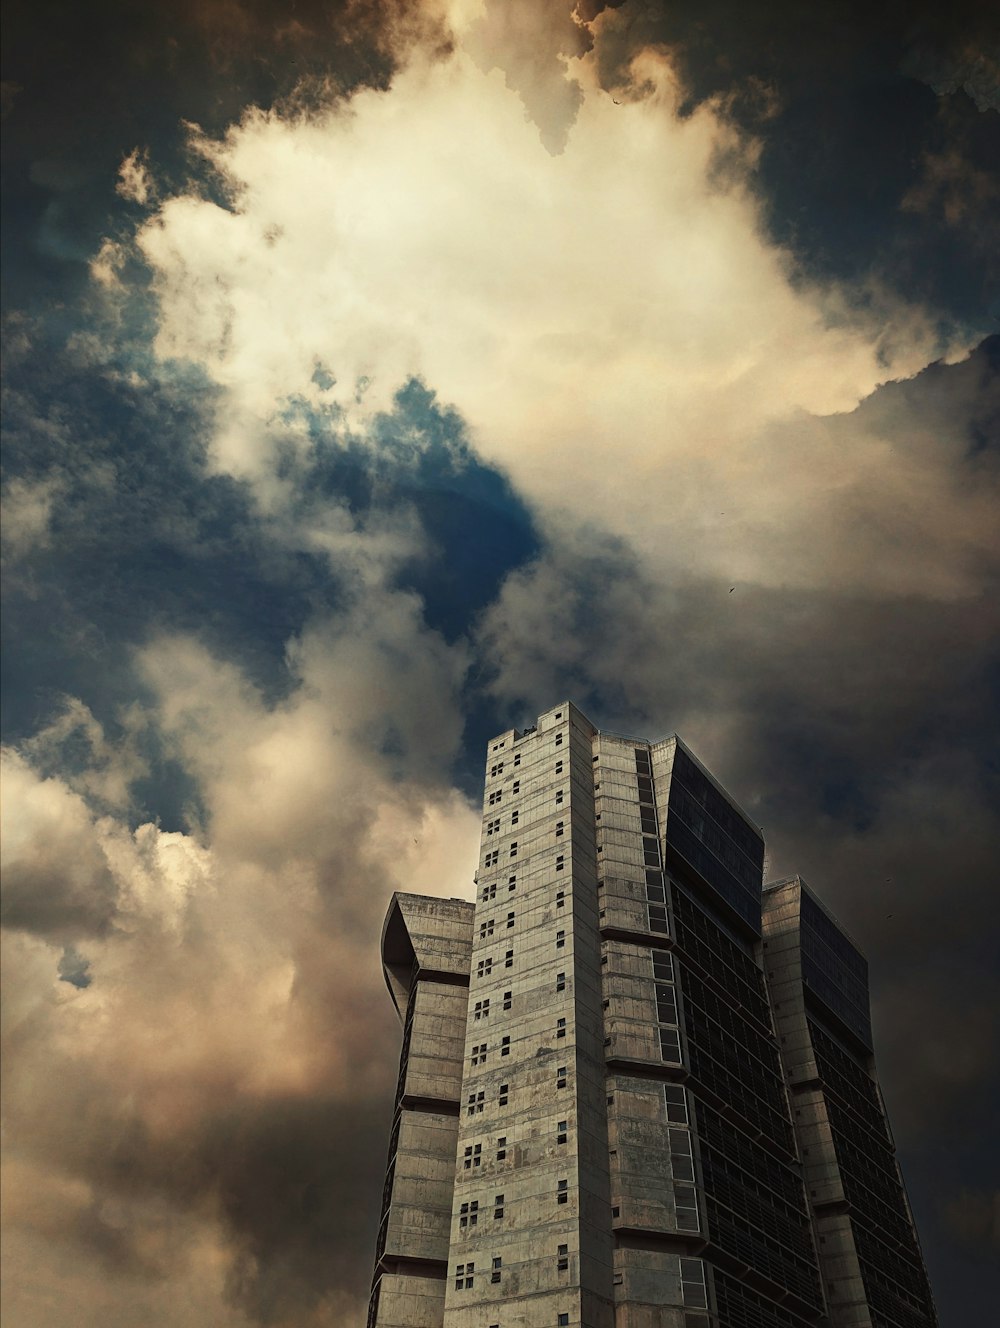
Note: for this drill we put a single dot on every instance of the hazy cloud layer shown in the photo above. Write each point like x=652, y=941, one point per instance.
x=466, y=357
x=218, y=1062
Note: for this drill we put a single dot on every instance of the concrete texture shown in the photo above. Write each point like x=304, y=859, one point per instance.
x=594, y=1119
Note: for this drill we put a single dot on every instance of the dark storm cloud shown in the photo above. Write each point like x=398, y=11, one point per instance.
x=91, y=83
x=860, y=110
x=267, y=693
x=138, y=536
x=274, y=1167
x=73, y=968
x=859, y=729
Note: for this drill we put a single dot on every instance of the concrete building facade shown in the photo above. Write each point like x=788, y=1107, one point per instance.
x=872, y=1267
x=594, y=1122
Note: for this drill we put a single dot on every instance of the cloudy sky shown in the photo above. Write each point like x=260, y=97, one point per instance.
x=378, y=374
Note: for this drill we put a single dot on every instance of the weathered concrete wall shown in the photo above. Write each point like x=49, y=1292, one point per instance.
x=426, y=948
x=534, y=1068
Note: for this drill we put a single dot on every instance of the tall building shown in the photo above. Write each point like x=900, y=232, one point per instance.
x=818, y=981
x=603, y=1119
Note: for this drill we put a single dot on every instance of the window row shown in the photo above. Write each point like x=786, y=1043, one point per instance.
x=496, y=797
x=480, y=1050
x=497, y=767
x=481, y=1009
x=490, y=891
x=476, y=1103
x=487, y=928
x=485, y=966
x=469, y=1212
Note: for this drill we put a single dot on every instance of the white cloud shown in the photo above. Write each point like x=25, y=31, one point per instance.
x=111, y=768
x=611, y=320
x=135, y=183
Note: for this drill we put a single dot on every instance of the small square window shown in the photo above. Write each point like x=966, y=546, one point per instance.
x=510, y=919
x=561, y=1077
x=560, y=940
x=560, y=982
x=560, y=1028
x=562, y=1320
x=505, y=1046
x=561, y=862
x=501, y=1147
x=559, y=767
x=508, y=961
x=508, y=999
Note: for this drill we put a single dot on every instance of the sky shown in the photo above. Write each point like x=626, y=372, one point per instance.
x=377, y=375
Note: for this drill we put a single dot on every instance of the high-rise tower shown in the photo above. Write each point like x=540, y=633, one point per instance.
x=593, y=1127
x=869, y=1255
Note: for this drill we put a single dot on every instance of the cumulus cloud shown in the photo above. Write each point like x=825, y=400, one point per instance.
x=208, y=1001
x=533, y=44
x=56, y=877
x=416, y=231
x=74, y=744
x=750, y=535
x=135, y=183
